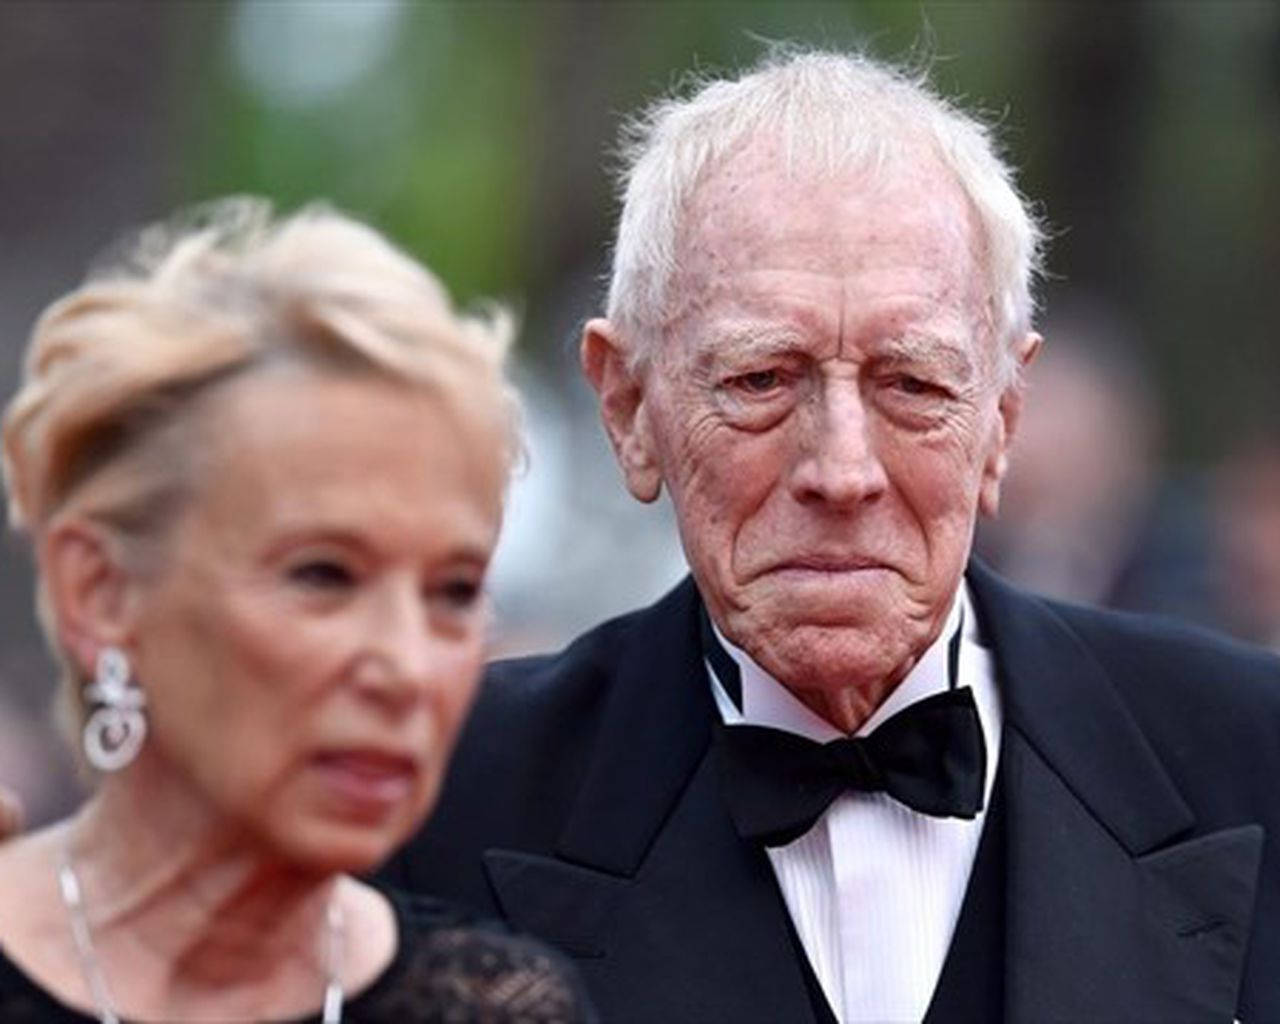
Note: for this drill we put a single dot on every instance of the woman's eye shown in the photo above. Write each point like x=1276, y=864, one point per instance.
x=322, y=574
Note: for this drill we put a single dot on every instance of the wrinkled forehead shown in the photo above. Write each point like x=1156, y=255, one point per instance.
x=850, y=214
x=903, y=220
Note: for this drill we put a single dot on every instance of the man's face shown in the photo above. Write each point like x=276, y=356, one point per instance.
x=827, y=414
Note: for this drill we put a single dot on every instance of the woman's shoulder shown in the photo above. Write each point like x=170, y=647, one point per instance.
x=23, y=854
x=453, y=965
x=33, y=931
x=30, y=905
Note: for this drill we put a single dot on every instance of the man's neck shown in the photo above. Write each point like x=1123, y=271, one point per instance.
x=849, y=708
x=822, y=714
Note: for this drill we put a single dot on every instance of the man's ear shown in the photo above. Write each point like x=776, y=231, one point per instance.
x=1009, y=412
x=622, y=408
x=89, y=591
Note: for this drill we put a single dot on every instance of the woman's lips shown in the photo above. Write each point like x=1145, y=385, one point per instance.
x=367, y=782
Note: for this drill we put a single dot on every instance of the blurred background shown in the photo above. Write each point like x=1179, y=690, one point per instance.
x=477, y=135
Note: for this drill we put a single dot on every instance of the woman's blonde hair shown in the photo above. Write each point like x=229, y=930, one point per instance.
x=114, y=370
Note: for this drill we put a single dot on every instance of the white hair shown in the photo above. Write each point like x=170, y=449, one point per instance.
x=825, y=110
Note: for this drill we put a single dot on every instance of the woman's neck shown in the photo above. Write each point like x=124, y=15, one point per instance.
x=190, y=915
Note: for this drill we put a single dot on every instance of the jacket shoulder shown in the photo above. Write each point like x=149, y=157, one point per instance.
x=1153, y=655
x=578, y=677
x=1208, y=705
x=530, y=737
x=517, y=692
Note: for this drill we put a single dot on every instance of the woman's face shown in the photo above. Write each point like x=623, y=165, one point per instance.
x=314, y=637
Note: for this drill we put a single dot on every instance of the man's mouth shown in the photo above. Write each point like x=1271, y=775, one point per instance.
x=828, y=564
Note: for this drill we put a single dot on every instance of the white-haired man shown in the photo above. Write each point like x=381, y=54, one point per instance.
x=843, y=772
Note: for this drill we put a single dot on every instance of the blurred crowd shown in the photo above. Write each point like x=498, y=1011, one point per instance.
x=1093, y=511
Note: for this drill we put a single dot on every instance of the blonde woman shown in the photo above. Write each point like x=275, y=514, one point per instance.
x=262, y=465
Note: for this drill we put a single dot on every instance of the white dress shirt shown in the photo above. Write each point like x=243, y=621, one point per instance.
x=875, y=888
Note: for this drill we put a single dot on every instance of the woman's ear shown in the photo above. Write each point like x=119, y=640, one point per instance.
x=90, y=593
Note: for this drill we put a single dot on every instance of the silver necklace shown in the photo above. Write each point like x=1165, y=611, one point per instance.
x=95, y=980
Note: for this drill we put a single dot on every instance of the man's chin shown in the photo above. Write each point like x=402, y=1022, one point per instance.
x=827, y=596
x=811, y=654
x=843, y=601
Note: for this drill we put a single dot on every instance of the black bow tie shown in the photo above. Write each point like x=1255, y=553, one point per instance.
x=929, y=756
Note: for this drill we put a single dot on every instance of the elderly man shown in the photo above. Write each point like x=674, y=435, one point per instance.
x=843, y=772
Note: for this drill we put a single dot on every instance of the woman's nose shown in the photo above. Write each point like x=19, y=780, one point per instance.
x=399, y=654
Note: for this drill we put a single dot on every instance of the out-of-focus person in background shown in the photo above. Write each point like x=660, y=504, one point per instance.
x=1247, y=535
x=262, y=463
x=1089, y=512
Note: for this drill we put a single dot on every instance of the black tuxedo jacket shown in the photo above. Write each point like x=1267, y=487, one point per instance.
x=1140, y=778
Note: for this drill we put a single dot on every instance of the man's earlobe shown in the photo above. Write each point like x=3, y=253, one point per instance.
x=989, y=490
x=1012, y=396
x=1028, y=349
x=1009, y=414
x=622, y=407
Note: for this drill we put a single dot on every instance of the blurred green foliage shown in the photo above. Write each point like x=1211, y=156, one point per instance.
x=1149, y=134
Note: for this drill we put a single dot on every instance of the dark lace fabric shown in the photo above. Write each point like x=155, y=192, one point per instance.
x=449, y=968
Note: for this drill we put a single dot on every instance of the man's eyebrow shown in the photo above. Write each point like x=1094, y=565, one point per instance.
x=956, y=357
x=746, y=341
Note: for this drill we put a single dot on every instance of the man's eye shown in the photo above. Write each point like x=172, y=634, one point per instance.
x=909, y=385
x=460, y=594
x=758, y=382
x=322, y=574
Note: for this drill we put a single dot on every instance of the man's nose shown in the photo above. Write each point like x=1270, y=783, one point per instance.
x=839, y=462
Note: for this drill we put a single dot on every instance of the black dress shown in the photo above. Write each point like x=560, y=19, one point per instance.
x=448, y=967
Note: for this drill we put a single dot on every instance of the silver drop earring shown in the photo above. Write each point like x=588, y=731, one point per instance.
x=117, y=725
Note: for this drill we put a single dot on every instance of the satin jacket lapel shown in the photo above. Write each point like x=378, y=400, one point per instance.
x=649, y=872
x=1116, y=910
